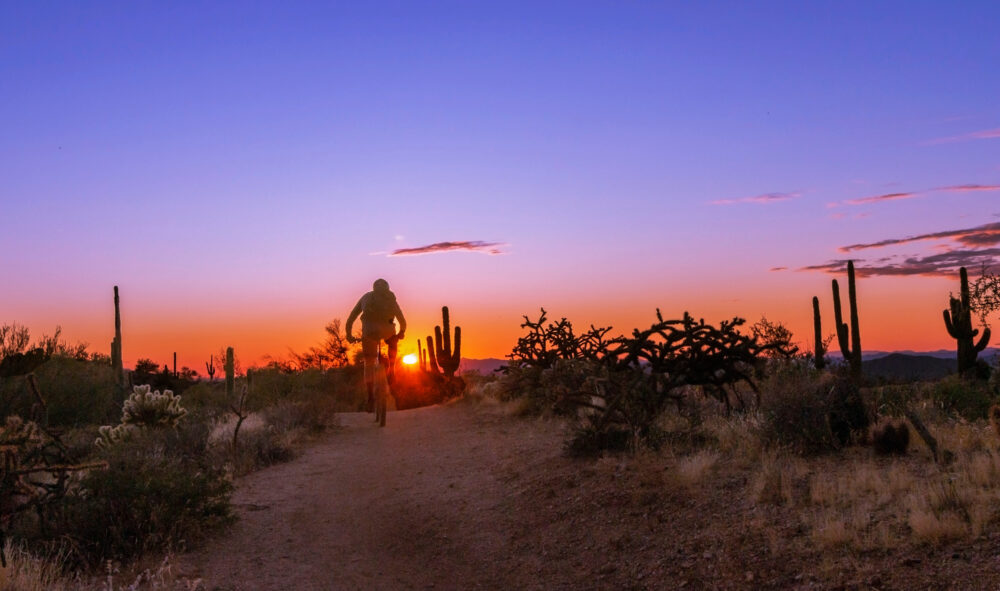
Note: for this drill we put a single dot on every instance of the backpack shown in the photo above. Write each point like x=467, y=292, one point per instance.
x=380, y=308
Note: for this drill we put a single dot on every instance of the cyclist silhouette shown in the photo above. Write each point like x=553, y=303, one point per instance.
x=378, y=309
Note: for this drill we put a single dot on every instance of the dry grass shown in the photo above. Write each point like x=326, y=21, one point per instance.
x=25, y=572
x=866, y=503
x=738, y=436
x=691, y=470
x=775, y=481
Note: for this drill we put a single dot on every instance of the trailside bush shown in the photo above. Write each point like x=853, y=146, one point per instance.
x=964, y=397
x=157, y=493
x=550, y=390
x=76, y=393
x=810, y=412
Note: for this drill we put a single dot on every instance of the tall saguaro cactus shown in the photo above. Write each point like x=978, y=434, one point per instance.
x=958, y=321
x=818, y=351
x=210, y=368
x=117, y=367
x=447, y=357
x=230, y=368
x=850, y=342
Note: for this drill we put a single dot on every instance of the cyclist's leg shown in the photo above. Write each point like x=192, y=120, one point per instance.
x=369, y=351
x=390, y=366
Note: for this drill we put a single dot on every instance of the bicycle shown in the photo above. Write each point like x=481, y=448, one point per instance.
x=381, y=388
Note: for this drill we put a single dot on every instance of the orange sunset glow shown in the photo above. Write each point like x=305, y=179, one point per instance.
x=492, y=193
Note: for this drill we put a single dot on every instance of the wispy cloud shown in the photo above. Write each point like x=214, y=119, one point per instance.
x=945, y=263
x=491, y=248
x=985, y=235
x=968, y=188
x=776, y=269
x=986, y=134
x=760, y=199
x=877, y=198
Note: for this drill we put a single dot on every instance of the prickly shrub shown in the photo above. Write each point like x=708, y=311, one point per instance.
x=152, y=409
x=891, y=438
x=144, y=409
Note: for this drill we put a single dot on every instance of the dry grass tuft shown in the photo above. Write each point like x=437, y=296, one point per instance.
x=692, y=469
x=25, y=572
x=775, y=481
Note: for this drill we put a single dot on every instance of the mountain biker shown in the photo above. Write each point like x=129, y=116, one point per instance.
x=378, y=308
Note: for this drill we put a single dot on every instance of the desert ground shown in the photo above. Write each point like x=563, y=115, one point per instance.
x=467, y=496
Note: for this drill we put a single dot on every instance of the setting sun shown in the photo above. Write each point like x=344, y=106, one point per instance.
x=410, y=359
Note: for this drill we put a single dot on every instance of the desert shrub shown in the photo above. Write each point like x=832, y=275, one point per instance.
x=551, y=390
x=810, y=412
x=891, y=438
x=208, y=397
x=151, y=497
x=964, y=397
x=76, y=393
x=890, y=399
x=261, y=447
x=313, y=415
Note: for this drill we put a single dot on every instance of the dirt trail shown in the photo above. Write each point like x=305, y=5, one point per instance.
x=467, y=497
x=419, y=504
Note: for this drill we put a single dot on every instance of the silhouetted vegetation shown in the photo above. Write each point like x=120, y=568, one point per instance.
x=625, y=383
x=958, y=321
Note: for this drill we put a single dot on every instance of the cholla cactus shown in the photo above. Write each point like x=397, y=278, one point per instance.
x=17, y=432
x=142, y=410
x=152, y=409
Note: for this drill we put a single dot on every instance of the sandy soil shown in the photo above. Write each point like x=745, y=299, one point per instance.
x=466, y=497
x=419, y=504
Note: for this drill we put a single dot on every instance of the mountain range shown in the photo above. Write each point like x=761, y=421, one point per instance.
x=890, y=365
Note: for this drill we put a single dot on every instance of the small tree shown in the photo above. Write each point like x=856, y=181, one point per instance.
x=984, y=295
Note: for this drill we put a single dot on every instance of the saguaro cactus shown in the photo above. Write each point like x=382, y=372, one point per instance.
x=210, y=368
x=818, y=351
x=447, y=358
x=421, y=358
x=116, y=349
x=432, y=363
x=958, y=321
x=230, y=372
x=850, y=347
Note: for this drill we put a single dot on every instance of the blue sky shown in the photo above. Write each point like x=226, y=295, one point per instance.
x=260, y=154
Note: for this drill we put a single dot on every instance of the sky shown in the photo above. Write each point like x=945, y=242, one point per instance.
x=245, y=171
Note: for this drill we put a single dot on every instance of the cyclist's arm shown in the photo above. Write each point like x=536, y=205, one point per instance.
x=402, y=321
x=353, y=316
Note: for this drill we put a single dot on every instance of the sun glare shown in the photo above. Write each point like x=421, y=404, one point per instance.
x=410, y=359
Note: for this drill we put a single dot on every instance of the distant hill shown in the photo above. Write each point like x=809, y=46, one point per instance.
x=988, y=354
x=896, y=365
x=483, y=366
x=901, y=366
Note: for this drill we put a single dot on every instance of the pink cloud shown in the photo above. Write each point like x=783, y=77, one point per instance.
x=985, y=235
x=877, y=198
x=968, y=188
x=491, y=248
